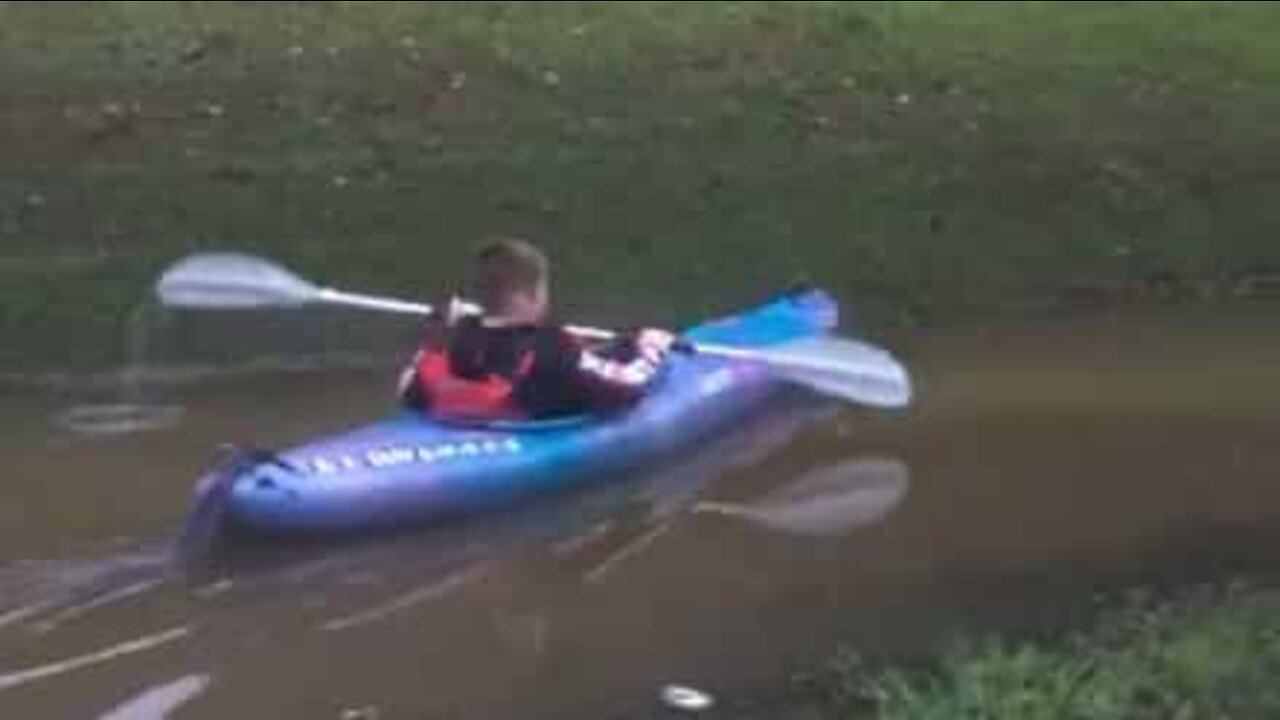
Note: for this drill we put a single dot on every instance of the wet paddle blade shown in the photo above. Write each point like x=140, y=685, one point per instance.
x=231, y=281
x=837, y=367
x=870, y=389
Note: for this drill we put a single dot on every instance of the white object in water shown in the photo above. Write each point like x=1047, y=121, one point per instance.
x=160, y=702
x=687, y=698
x=119, y=419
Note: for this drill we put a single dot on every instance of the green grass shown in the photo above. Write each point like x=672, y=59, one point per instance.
x=923, y=159
x=1212, y=657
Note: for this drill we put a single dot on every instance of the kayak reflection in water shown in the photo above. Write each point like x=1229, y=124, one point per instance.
x=512, y=362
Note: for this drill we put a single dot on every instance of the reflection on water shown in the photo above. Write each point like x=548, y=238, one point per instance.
x=347, y=587
x=828, y=502
x=160, y=701
x=131, y=409
x=62, y=590
x=1041, y=466
x=119, y=418
x=100, y=657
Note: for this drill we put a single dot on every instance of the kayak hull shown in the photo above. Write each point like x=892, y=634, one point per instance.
x=411, y=469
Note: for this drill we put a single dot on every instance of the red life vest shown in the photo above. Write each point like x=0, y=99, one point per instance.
x=448, y=395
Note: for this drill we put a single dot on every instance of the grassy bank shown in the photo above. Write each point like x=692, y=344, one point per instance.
x=1213, y=656
x=920, y=158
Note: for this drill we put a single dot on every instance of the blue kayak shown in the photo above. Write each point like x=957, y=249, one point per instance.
x=411, y=469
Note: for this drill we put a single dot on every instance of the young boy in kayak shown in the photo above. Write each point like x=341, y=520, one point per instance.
x=512, y=362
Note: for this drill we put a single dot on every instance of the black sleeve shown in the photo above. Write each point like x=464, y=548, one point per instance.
x=605, y=380
x=567, y=378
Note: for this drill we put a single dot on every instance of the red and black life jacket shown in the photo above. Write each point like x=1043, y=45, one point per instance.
x=521, y=372
x=448, y=394
x=482, y=372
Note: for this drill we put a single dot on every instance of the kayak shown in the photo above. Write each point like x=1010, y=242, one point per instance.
x=411, y=468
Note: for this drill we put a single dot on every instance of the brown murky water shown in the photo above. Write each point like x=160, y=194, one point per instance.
x=1043, y=463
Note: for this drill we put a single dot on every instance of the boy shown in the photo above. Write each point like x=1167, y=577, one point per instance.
x=511, y=362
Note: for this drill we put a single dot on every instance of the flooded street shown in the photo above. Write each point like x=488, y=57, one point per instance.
x=1043, y=464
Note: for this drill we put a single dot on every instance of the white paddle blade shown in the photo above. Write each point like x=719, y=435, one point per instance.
x=874, y=390
x=231, y=281
x=843, y=368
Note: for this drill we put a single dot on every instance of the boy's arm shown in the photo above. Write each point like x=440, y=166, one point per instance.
x=611, y=381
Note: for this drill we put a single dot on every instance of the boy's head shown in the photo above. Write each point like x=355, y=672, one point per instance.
x=510, y=278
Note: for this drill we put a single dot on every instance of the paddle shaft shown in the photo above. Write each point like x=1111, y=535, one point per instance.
x=268, y=284
x=832, y=366
x=810, y=365
x=367, y=302
x=404, y=307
